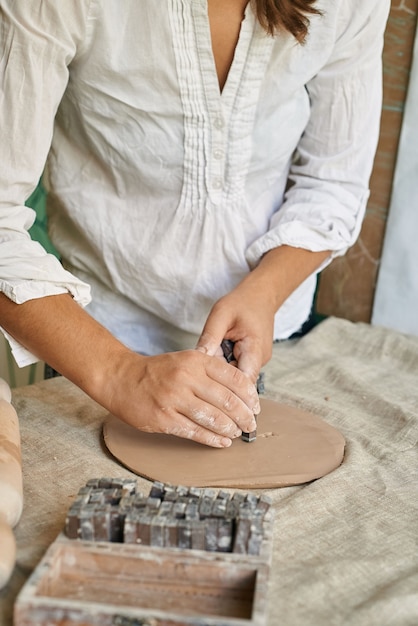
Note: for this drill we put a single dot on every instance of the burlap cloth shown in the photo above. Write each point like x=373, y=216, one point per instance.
x=345, y=546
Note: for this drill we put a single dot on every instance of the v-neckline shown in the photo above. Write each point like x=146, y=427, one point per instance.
x=225, y=21
x=207, y=58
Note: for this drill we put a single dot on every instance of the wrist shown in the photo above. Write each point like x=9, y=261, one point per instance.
x=119, y=368
x=281, y=270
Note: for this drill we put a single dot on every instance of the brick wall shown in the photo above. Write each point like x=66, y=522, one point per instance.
x=347, y=286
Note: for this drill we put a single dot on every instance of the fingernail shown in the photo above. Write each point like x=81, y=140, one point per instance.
x=257, y=408
x=225, y=443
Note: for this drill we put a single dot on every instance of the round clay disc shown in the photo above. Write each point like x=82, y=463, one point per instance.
x=292, y=447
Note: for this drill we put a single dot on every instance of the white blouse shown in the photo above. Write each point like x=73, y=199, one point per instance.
x=164, y=192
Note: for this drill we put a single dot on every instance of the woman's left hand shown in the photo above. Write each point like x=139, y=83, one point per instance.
x=246, y=314
x=244, y=317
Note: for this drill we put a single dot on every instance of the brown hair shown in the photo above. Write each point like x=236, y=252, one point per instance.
x=290, y=15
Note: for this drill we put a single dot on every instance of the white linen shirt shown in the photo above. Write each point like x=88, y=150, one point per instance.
x=164, y=192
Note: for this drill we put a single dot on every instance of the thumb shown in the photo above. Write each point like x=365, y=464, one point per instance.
x=209, y=344
x=212, y=335
x=248, y=360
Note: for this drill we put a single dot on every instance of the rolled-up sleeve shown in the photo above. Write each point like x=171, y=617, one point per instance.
x=328, y=189
x=38, y=40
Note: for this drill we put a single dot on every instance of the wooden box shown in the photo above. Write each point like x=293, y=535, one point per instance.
x=106, y=584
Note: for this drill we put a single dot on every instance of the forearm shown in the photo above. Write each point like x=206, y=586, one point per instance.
x=246, y=314
x=187, y=394
x=280, y=272
x=60, y=332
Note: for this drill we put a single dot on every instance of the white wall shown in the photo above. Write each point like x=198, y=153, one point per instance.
x=396, y=297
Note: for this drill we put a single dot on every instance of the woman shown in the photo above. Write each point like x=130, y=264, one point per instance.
x=205, y=159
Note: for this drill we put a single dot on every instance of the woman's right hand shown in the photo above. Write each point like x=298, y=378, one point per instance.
x=186, y=394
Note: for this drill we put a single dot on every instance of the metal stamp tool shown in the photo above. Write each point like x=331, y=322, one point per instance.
x=228, y=351
x=168, y=555
x=249, y=437
x=216, y=521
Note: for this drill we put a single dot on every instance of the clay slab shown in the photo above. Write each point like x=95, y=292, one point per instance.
x=292, y=447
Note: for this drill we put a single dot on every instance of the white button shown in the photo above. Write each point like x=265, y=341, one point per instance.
x=217, y=183
x=218, y=123
x=218, y=154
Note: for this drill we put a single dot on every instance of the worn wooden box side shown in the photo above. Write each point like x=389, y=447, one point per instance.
x=103, y=584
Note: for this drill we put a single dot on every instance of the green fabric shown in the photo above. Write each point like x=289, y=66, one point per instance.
x=39, y=231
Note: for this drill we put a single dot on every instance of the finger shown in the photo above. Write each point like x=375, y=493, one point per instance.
x=214, y=420
x=231, y=392
x=209, y=344
x=249, y=361
x=185, y=428
x=214, y=331
x=225, y=352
